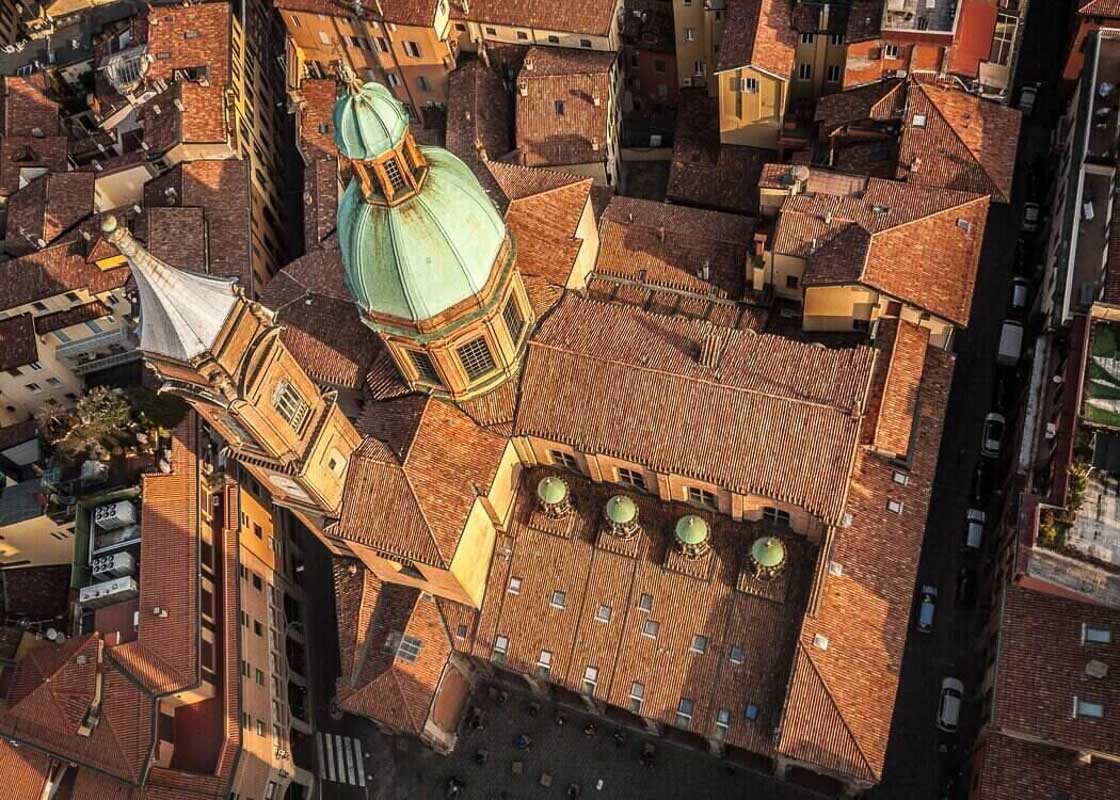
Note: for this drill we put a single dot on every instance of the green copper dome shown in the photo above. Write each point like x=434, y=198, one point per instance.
x=552, y=490
x=419, y=258
x=768, y=551
x=621, y=509
x=691, y=529
x=368, y=122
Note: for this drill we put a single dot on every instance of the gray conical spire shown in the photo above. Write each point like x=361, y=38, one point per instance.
x=181, y=313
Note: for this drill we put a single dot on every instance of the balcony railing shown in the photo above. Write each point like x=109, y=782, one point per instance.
x=72, y=350
x=111, y=360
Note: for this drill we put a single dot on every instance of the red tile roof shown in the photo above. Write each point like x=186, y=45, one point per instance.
x=411, y=484
x=893, y=237
x=1013, y=769
x=316, y=122
x=759, y=33
x=562, y=106
x=49, y=206
x=900, y=394
x=594, y=17
x=400, y=12
x=1099, y=8
x=25, y=109
x=840, y=701
x=52, y=271
x=75, y=315
x=18, y=343
x=24, y=152
x=615, y=380
x=182, y=37
x=967, y=143
x=880, y=101
x=25, y=772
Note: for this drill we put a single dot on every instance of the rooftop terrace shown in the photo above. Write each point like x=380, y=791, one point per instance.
x=930, y=16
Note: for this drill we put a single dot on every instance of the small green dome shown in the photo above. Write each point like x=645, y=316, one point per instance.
x=691, y=529
x=768, y=551
x=416, y=259
x=621, y=509
x=368, y=122
x=552, y=490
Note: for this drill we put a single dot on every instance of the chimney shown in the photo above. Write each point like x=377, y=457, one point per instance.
x=759, y=243
x=916, y=164
x=523, y=88
x=661, y=233
x=93, y=713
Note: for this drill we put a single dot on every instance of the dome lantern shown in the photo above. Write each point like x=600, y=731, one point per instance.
x=692, y=536
x=621, y=514
x=553, y=496
x=767, y=556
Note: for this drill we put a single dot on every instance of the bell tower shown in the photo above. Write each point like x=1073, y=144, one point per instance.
x=222, y=353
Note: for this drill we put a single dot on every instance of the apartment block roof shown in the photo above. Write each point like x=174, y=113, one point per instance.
x=48, y=207
x=480, y=121
x=420, y=466
x=956, y=140
x=562, y=106
x=25, y=772
x=593, y=17
x=1044, y=664
x=881, y=101
x=185, y=37
x=18, y=343
x=25, y=109
x=759, y=33
x=895, y=237
x=599, y=624
x=1012, y=768
x=675, y=247
x=841, y=699
x=372, y=617
x=774, y=417
x=29, y=152
x=901, y=389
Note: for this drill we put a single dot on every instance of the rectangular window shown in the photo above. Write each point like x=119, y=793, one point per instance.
x=257, y=531
x=422, y=82
x=901, y=478
x=645, y=602
x=394, y=174
x=257, y=584
x=590, y=681
x=804, y=71
x=637, y=694
x=775, y=516
x=514, y=586
x=1094, y=635
x=807, y=38
x=501, y=648
x=701, y=497
x=699, y=68
x=409, y=649
x=603, y=613
x=33, y=387
x=260, y=727
x=836, y=39
x=62, y=336
x=53, y=382
x=35, y=367
x=290, y=405
x=559, y=599
x=425, y=369
x=565, y=460
x=382, y=45
x=1087, y=708
x=476, y=358
x=650, y=628
x=394, y=81
x=544, y=664
x=690, y=34
x=260, y=678
x=554, y=39
x=894, y=506
x=494, y=32
x=736, y=654
x=699, y=644
x=631, y=477
x=585, y=43
x=890, y=51
x=835, y=73
x=748, y=85
x=559, y=107
x=515, y=323
x=258, y=628
x=684, y=713
x=792, y=281
x=723, y=723
x=412, y=48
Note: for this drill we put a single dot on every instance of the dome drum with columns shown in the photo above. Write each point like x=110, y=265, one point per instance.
x=426, y=255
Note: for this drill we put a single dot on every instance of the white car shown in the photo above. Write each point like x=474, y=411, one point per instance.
x=974, y=528
x=927, y=606
x=949, y=705
x=1032, y=214
x=994, y=425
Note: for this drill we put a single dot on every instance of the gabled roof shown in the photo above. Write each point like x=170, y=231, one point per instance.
x=1012, y=769
x=880, y=101
x=372, y=616
x=25, y=772
x=840, y=701
x=18, y=344
x=759, y=33
x=49, y=206
x=25, y=109
x=400, y=12
x=900, y=392
x=594, y=17
x=920, y=245
x=775, y=417
x=1099, y=8
x=57, y=269
x=413, y=481
x=967, y=143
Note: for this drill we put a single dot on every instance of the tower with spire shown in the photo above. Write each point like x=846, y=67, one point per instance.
x=222, y=353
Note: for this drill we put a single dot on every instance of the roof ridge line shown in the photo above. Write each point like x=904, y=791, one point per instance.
x=828, y=693
x=957, y=136
x=423, y=516
x=578, y=181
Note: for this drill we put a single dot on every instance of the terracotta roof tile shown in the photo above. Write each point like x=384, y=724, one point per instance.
x=18, y=344
x=422, y=477
x=595, y=17
x=182, y=37
x=25, y=772
x=967, y=143
x=71, y=316
x=316, y=114
x=881, y=101
x=900, y=394
x=92, y=785
x=545, y=225
x=479, y=112
x=1012, y=769
x=864, y=20
x=20, y=152
x=617, y=381
x=164, y=656
x=865, y=612
x=562, y=107
x=672, y=246
x=893, y=237
x=25, y=108
x=49, y=206
x=1099, y=8
x=759, y=33
x=401, y=12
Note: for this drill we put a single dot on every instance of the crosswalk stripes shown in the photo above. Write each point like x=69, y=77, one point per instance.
x=340, y=759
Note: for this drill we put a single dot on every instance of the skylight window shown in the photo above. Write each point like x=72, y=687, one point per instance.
x=919, y=120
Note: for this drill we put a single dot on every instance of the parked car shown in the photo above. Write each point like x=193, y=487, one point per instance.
x=927, y=606
x=1020, y=288
x=1027, y=98
x=1010, y=343
x=992, y=436
x=1032, y=216
x=974, y=528
x=949, y=705
x=966, y=587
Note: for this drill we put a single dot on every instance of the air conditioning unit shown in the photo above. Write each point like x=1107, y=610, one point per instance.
x=114, y=515
x=107, y=593
x=114, y=565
